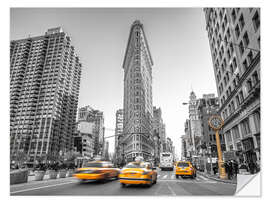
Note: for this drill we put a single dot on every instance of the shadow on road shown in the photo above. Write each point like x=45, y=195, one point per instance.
x=137, y=186
x=95, y=182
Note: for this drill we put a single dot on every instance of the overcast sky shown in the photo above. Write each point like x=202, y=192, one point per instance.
x=178, y=43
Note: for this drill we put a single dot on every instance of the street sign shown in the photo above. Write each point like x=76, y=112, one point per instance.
x=216, y=122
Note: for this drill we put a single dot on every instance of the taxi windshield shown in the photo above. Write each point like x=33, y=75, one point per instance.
x=93, y=164
x=135, y=165
x=182, y=164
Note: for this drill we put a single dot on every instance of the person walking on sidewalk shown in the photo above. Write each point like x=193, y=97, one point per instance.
x=235, y=168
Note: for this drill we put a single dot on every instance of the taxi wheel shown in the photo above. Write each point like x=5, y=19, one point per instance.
x=155, y=181
x=123, y=185
x=177, y=176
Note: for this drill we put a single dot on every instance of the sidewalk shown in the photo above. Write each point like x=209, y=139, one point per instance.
x=216, y=178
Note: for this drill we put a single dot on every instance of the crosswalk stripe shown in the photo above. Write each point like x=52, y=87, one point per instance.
x=202, y=177
x=172, y=176
x=164, y=177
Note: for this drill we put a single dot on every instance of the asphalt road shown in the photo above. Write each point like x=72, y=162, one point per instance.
x=167, y=185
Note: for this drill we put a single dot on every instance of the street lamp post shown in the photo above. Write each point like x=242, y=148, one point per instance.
x=216, y=122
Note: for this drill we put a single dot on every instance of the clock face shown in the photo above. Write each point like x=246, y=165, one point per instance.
x=216, y=122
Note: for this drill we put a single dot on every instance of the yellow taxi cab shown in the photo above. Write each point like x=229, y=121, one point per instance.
x=185, y=168
x=138, y=172
x=96, y=170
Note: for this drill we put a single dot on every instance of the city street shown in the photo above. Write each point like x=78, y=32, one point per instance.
x=167, y=185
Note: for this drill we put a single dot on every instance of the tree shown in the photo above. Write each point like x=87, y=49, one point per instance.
x=20, y=158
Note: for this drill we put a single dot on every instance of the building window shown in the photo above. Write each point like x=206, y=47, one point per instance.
x=256, y=21
x=228, y=54
x=237, y=100
x=225, y=20
x=249, y=85
x=241, y=48
x=257, y=121
x=228, y=136
x=250, y=57
x=237, y=31
x=245, y=65
x=232, y=105
x=246, y=39
x=233, y=15
x=245, y=127
x=231, y=48
x=241, y=21
x=234, y=83
x=235, y=132
x=234, y=63
x=231, y=69
x=241, y=96
x=255, y=77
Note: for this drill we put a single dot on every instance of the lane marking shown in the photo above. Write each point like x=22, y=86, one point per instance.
x=173, y=193
x=29, y=189
x=35, y=182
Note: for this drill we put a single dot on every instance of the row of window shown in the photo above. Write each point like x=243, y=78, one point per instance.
x=244, y=126
x=239, y=98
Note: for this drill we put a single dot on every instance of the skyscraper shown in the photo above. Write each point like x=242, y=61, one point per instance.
x=138, y=108
x=234, y=38
x=45, y=77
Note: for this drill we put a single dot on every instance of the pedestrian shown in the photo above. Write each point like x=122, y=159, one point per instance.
x=235, y=168
x=252, y=166
x=215, y=170
x=258, y=165
x=231, y=172
x=226, y=166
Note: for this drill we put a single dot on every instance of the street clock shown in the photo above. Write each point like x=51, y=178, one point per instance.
x=215, y=122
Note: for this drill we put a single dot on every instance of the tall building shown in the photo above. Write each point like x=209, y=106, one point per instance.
x=234, y=38
x=157, y=127
x=188, y=142
x=169, y=145
x=194, y=122
x=89, y=114
x=163, y=138
x=45, y=77
x=183, y=147
x=138, y=108
x=118, y=148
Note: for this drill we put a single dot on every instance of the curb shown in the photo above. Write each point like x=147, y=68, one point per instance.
x=217, y=179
